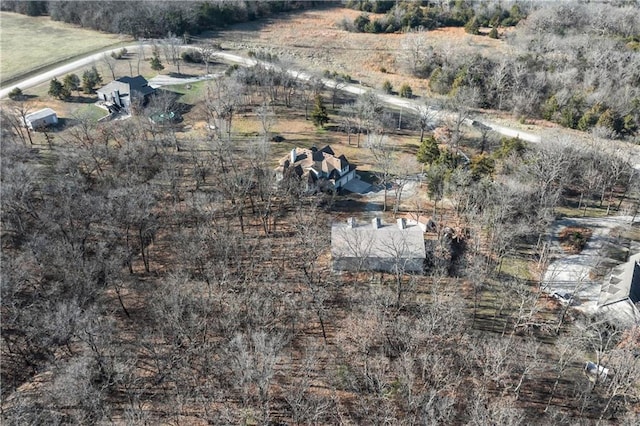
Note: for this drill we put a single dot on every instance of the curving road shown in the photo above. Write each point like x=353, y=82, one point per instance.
x=408, y=104
x=60, y=71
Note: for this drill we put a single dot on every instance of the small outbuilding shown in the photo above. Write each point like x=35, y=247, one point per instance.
x=41, y=119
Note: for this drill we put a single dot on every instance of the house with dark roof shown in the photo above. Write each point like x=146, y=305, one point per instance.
x=623, y=284
x=121, y=93
x=378, y=247
x=319, y=168
x=621, y=292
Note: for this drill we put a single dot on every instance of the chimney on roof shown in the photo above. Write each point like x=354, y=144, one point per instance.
x=375, y=222
x=294, y=155
x=402, y=223
x=351, y=222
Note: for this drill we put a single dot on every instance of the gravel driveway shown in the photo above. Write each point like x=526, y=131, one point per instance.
x=570, y=274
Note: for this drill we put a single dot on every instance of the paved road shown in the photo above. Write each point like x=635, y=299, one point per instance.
x=228, y=57
x=61, y=70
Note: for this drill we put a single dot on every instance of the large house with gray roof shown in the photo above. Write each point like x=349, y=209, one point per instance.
x=123, y=92
x=623, y=284
x=321, y=169
x=621, y=292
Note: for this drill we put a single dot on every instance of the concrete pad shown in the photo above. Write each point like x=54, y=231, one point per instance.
x=357, y=186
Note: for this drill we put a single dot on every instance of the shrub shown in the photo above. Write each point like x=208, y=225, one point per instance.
x=16, y=94
x=193, y=56
x=509, y=145
x=156, y=64
x=406, y=91
x=361, y=22
x=493, y=33
x=387, y=87
x=573, y=239
x=231, y=69
x=472, y=27
x=119, y=54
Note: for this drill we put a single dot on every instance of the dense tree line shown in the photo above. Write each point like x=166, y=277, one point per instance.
x=405, y=15
x=154, y=18
x=571, y=61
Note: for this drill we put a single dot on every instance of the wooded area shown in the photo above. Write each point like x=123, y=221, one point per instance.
x=151, y=276
x=143, y=283
x=155, y=18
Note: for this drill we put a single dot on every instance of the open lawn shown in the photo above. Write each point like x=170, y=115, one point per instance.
x=30, y=43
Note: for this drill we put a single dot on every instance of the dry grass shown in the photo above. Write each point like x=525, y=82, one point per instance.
x=27, y=42
x=314, y=39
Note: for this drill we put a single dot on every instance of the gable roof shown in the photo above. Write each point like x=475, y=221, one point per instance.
x=45, y=112
x=320, y=161
x=623, y=284
x=127, y=85
x=383, y=242
x=137, y=84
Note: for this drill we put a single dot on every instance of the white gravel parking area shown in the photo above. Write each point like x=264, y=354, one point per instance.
x=570, y=274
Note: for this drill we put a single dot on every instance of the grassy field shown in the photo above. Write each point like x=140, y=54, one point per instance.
x=28, y=43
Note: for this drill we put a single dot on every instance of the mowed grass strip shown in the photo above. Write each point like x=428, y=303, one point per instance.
x=29, y=43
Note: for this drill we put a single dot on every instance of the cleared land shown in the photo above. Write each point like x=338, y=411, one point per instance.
x=314, y=39
x=28, y=43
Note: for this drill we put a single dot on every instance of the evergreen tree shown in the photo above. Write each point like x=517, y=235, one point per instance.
x=90, y=79
x=71, y=82
x=472, y=27
x=56, y=88
x=429, y=151
x=387, y=87
x=16, y=94
x=319, y=114
x=406, y=91
x=482, y=165
x=156, y=65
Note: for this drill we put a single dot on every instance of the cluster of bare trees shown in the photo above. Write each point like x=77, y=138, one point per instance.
x=144, y=283
x=572, y=60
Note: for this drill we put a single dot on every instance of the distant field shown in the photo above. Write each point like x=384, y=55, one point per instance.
x=28, y=43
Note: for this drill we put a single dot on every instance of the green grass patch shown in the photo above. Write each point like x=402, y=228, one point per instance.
x=192, y=93
x=516, y=267
x=91, y=112
x=566, y=211
x=29, y=43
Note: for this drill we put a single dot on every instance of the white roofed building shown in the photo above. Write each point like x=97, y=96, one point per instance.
x=40, y=119
x=378, y=247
